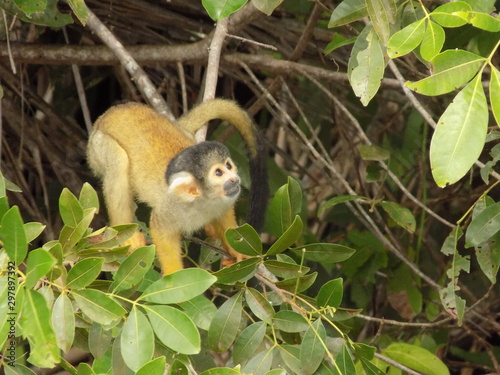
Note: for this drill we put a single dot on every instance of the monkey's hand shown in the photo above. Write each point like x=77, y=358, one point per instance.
x=136, y=241
x=236, y=257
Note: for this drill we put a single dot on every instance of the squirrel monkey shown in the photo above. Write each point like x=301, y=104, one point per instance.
x=138, y=153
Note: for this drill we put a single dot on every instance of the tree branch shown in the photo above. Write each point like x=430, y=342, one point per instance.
x=140, y=78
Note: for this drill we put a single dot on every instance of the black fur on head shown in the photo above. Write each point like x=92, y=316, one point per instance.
x=197, y=159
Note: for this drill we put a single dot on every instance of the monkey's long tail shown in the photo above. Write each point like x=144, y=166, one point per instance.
x=259, y=187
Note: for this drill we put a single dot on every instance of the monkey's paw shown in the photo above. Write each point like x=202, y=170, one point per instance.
x=136, y=241
x=236, y=257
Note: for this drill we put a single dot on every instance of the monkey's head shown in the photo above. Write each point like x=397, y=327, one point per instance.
x=204, y=170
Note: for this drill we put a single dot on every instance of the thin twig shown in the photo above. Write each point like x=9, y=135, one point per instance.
x=80, y=90
x=9, y=51
x=213, y=69
x=140, y=78
x=254, y=42
x=396, y=364
x=404, y=324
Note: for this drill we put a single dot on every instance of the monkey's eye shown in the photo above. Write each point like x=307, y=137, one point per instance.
x=218, y=172
x=229, y=165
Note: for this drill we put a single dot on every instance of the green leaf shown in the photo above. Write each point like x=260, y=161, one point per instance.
x=260, y=363
x=174, y=329
x=98, y=306
x=370, y=368
x=13, y=236
x=372, y=152
x=29, y=7
x=221, y=371
x=225, y=323
x=266, y=6
x=460, y=134
x=154, y=367
x=131, y=272
x=348, y=11
x=488, y=257
x=35, y=325
x=137, y=340
x=50, y=16
x=220, y=9
x=331, y=293
x=70, y=236
x=433, y=41
x=451, y=70
x=401, y=215
x=259, y=305
x=337, y=200
x=324, y=252
x=286, y=203
x=291, y=356
x=88, y=196
x=366, y=66
x=179, y=286
x=416, y=358
x=495, y=93
x=288, y=238
x=85, y=369
x=99, y=340
x=483, y=226
x=201, y=311
x=406, y=39
x=80, y=9
x=382, y=14
x=446, y=16
x=63, y=321
x=344, y=361
x=312, y=348
x=338, y=41
x=298, y=284
x=451, y=301
x=39, y=263
x=290, y=321
x=484, y=21
x=84, y=272
x=245, y=240
x=285, y=269
x=240, y=271
x=70, y=208
x=33, y=230
x=248, y=342
x=18, y=370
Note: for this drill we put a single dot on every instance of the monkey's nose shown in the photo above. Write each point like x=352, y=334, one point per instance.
x=232, y=187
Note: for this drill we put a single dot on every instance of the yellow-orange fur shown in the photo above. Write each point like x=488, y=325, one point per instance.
x=130, y=148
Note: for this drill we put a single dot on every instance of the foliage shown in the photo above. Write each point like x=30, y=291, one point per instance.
x=461, y=132
x=298, y=303
x=62, y=295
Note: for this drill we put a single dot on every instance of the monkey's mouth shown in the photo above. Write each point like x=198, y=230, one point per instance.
x=231, y=192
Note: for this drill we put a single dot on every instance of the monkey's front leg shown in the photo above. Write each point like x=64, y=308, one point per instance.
x=216, y=230
x=168, y=246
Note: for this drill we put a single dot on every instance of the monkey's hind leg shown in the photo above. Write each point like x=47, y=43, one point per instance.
x=110, y=161
x=168, y=246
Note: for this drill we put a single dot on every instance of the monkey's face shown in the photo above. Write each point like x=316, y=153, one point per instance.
x=223, y=180
x=204, y=173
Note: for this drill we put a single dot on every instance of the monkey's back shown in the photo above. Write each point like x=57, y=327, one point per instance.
x=148, y=138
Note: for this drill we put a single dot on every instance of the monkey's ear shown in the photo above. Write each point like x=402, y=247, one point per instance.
x=185, y=186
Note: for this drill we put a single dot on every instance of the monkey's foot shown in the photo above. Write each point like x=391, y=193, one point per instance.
x=136, y=241
x=237, y=257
